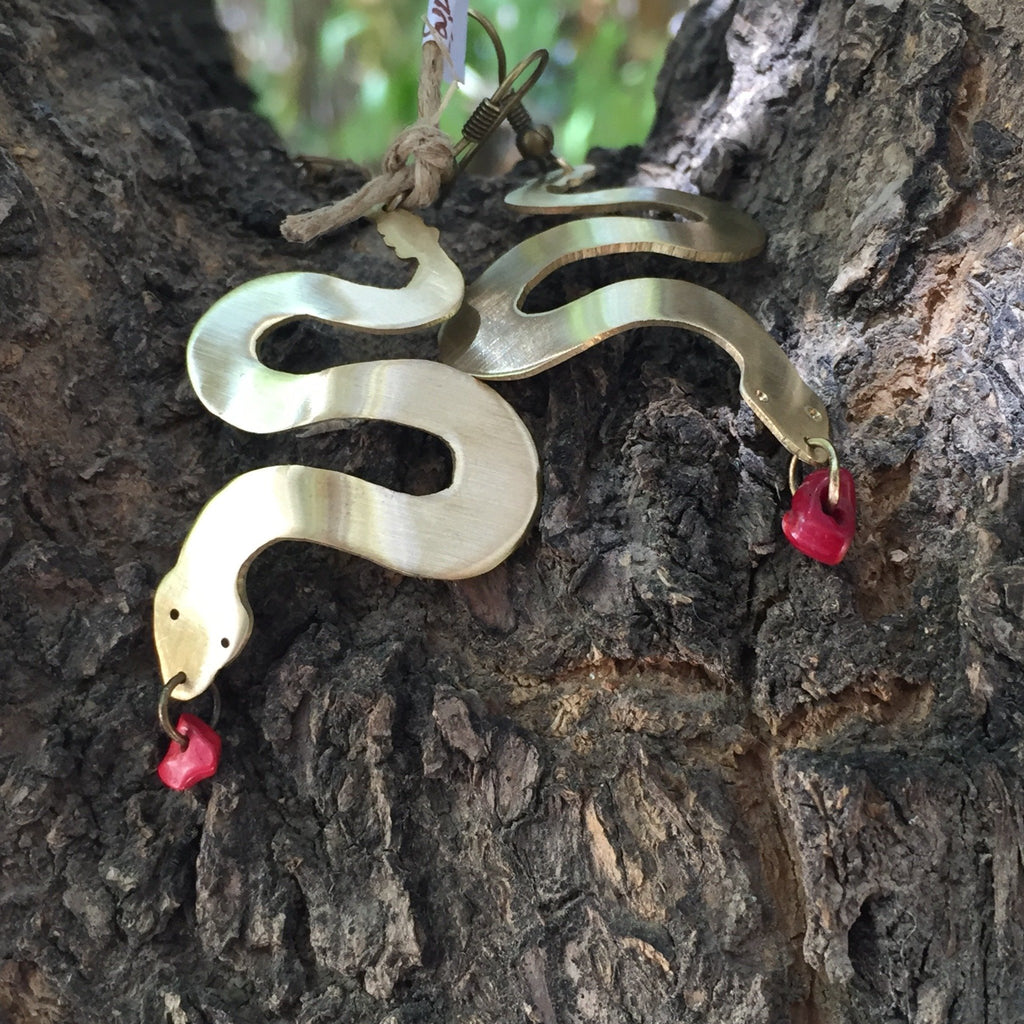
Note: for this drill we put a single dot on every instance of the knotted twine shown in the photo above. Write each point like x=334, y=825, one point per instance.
x=400, y=183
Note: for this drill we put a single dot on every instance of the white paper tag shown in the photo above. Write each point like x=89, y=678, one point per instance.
x=449, y=19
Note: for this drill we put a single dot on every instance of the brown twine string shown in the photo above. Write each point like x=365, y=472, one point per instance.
x=400, y=183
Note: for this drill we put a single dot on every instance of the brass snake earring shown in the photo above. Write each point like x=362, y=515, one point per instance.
x=493, y=339
x=201, y=616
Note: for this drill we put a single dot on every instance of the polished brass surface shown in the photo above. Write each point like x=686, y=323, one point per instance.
x=222, y=353
x=711, y=232
x=201, y=615
x=492, y=338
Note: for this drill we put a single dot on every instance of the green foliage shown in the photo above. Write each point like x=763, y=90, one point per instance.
x=340, y=78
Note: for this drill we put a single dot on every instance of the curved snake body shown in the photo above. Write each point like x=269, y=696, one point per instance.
x=493, y=339
x=201, y=615
x=709, y=232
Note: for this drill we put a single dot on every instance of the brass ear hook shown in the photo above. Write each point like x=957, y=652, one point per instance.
x=499, y=48
x=534, y=141
x=506, y=103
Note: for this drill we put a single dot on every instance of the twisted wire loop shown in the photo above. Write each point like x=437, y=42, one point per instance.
x=482, y=121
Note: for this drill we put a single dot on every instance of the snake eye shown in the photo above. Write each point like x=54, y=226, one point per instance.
x=225, y=642
x=174, y=613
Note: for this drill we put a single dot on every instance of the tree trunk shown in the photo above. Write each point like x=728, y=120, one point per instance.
x=658, y=767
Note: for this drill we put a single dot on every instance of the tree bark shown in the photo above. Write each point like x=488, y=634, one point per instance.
x=658, y=767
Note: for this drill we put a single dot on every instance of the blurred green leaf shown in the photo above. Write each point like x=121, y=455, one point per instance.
x=340, y=78
x=335, y=36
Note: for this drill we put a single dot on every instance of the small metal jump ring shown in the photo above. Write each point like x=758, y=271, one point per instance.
x=163, y=714
x=833, y=469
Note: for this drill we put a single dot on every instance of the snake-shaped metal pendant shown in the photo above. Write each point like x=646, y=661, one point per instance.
x=202, y=618
x=493, y=339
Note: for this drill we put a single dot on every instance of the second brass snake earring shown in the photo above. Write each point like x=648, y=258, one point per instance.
x=494, y=339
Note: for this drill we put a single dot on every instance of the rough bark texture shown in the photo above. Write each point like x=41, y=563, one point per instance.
x=658, y=767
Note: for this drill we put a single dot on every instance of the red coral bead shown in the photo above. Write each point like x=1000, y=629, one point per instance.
x=184, y=766
x=815, y=529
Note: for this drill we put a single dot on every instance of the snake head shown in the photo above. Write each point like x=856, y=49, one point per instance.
x=197, y=628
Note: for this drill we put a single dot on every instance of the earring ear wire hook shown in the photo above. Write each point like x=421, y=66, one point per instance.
x=499, y=48
x=497, y=107
x=506, y=103
x=534, y=141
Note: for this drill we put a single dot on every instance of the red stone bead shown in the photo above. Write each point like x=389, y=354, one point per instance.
x=182, y=767
x=815, y=529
